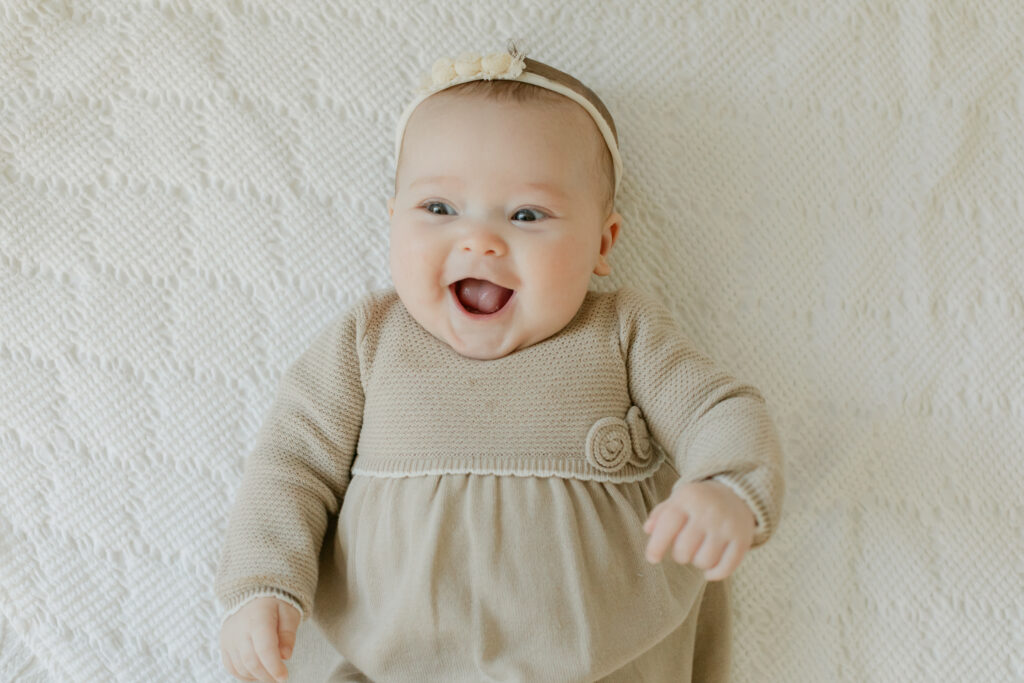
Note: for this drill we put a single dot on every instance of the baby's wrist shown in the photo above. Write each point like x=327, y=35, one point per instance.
x=722, y=490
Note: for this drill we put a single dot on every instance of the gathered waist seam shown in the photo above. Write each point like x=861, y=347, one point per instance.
x=513, y=465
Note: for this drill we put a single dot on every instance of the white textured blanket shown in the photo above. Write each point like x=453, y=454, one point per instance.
x=829, y=195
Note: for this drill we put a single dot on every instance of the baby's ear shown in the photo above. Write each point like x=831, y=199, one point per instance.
x=391, y=206
x=609, y=233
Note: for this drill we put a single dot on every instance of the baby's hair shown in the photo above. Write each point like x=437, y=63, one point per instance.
x=518, y=91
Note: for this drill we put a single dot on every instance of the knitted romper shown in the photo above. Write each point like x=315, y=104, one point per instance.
x=443, y=518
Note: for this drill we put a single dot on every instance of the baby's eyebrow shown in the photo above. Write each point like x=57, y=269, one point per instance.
x=552, y=190
x=436, y=179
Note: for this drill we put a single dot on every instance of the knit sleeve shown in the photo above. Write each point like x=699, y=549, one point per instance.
x=711, y=424
x=296, y=476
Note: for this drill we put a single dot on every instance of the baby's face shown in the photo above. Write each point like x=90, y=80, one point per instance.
x=506, y=193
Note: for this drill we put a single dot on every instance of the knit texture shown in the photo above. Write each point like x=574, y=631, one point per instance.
x=377, y=390
x=827, y=195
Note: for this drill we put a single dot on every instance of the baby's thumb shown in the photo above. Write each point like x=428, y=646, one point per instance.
x=287, y=624
x=652, y=519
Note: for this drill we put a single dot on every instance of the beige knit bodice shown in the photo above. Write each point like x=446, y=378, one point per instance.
x=559, y=407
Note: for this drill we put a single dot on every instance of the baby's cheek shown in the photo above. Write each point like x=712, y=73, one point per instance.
x=554, y=265
x=413, y=258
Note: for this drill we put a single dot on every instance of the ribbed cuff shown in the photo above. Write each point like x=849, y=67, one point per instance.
x=739, y=486
x=248, y=596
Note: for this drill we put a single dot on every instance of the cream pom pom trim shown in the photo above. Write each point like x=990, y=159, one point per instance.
x=470, y=66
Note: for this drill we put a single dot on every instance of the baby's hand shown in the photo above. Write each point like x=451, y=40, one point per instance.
x=709, y=524
x=255, y=639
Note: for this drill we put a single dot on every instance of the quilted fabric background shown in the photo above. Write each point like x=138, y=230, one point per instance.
x=828, y=195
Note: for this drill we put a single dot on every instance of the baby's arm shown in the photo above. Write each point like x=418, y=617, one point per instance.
x=294, y=479
x=715, y=428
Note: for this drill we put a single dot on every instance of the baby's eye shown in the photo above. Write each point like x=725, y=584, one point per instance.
x=428, y=206
x=528, y=220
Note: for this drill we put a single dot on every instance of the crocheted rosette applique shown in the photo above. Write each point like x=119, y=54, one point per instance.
x=640, y=438
x=612, y=442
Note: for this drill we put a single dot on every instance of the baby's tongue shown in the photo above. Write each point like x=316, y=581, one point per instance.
x=482, y=296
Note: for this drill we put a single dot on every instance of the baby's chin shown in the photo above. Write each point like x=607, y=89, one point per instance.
x=497, y=339
x=479, y=347
x=484, y=354
x=478, y=339
x=466, y=338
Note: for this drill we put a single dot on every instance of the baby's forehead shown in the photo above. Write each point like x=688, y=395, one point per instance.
x=549, y=104
x=555, y=112
x=560, y=121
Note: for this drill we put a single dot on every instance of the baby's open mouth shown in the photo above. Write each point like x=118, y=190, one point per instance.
x=481, y=296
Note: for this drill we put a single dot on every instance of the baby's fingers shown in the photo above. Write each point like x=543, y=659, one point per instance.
x=236, y=668
x=669, y=521
x=250, y=666
x=652, y=518
x=727, y=565
x=264, y=639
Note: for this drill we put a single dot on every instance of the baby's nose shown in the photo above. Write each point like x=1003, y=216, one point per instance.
x=484, y=241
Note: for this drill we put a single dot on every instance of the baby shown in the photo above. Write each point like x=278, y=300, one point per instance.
x=455, y=478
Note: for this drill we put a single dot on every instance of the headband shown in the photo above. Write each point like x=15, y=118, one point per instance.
x=510, y=66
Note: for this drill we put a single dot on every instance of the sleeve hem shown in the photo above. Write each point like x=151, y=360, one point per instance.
x=763, y=529
x=240, y=600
